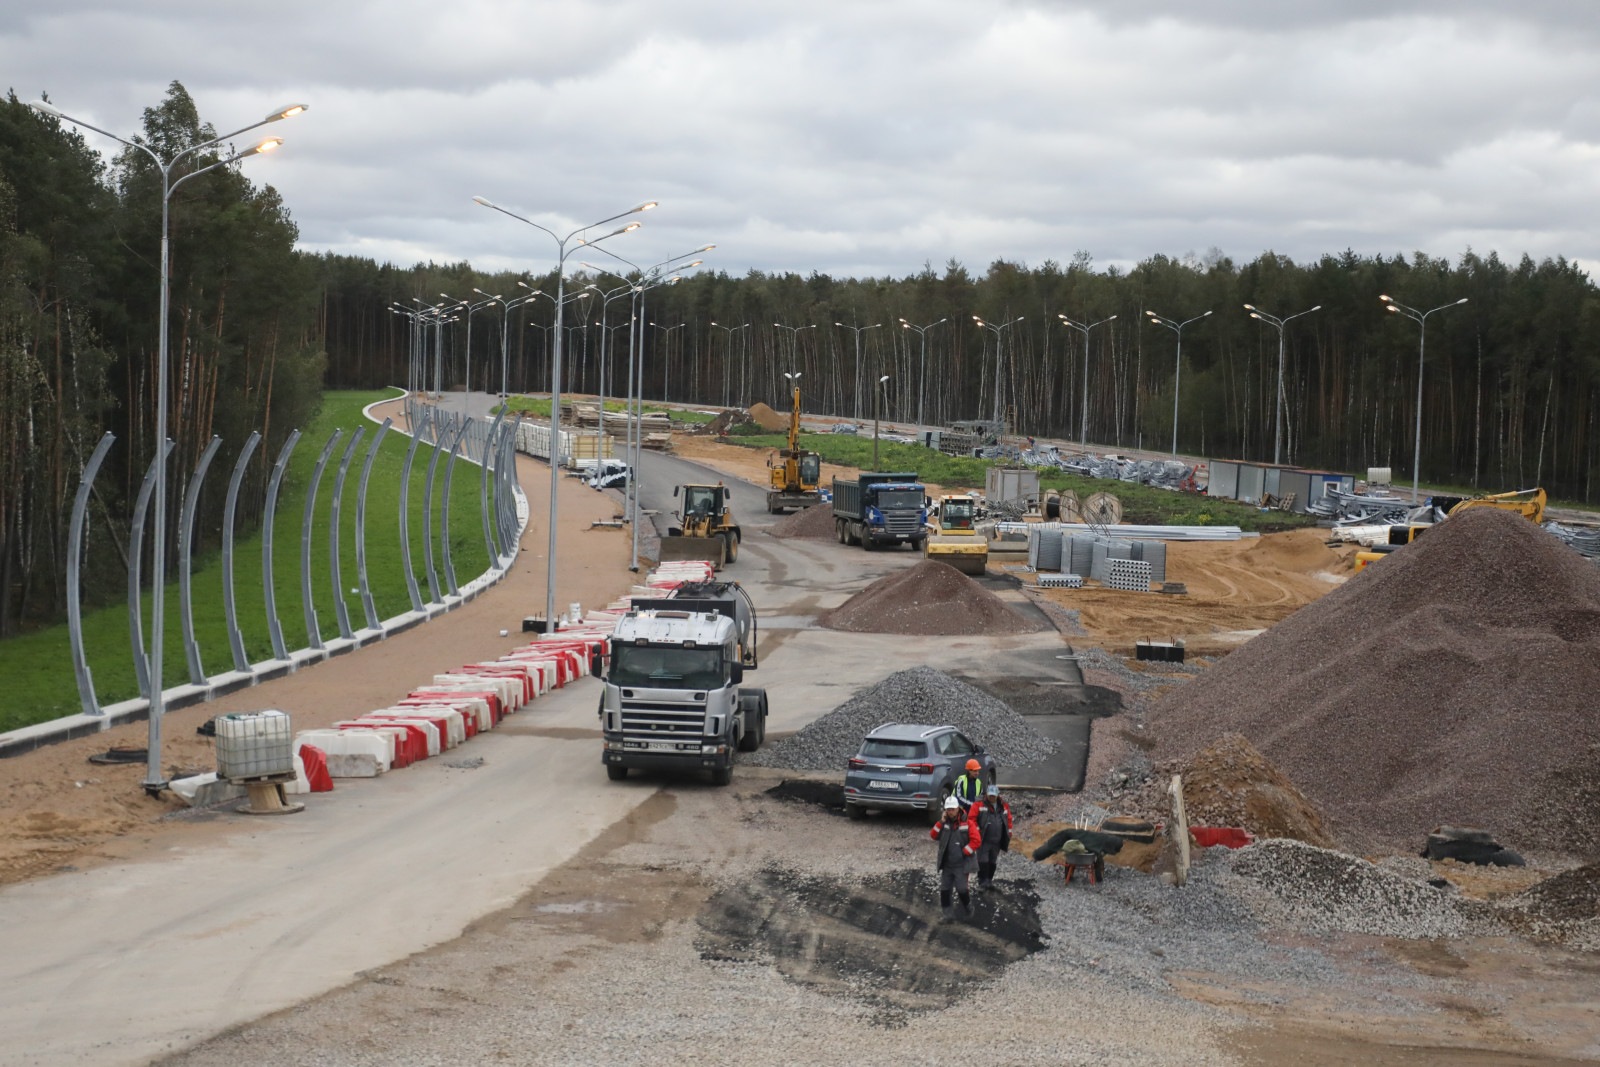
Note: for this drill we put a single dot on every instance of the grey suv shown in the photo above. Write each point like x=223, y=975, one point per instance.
x=910, y=767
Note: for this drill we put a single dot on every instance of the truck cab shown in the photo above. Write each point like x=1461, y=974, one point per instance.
x=874, y=510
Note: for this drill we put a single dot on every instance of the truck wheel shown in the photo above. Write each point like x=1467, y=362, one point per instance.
x=838, y=528
x=616, y=772
x=753, y=710
x=721, y=775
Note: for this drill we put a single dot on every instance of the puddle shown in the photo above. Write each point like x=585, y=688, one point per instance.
x=880, y=940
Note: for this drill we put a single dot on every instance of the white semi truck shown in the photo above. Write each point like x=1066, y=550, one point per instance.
x=673, y=699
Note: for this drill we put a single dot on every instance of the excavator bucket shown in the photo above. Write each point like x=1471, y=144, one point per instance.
x=710, y=549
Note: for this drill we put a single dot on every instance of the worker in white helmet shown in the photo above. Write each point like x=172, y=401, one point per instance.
x=959, y=842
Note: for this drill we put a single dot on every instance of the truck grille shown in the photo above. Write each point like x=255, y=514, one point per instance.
x=662, y=720
x=902, y=525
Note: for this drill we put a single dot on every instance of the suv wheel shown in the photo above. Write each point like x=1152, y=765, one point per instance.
x=855, y=811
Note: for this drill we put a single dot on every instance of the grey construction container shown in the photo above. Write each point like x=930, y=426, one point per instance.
x=1224, y=479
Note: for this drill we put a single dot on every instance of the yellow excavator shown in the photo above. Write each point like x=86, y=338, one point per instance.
x=705, y=527
x=955, y=538
x=1529, y=503
x=792, y=472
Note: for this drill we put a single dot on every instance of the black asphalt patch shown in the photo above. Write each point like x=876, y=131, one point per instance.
x=829, y=795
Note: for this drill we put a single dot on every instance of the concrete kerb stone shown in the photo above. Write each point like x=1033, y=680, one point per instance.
x=28, y=738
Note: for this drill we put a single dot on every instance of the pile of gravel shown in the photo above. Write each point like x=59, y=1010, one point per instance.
x=1565, y=908
x=918, y=695
x=814, y=523
x=1309, y=888
x=1453, y=682
x=928, y=599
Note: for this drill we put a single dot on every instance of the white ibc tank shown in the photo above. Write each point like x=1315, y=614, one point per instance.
x=254, y=744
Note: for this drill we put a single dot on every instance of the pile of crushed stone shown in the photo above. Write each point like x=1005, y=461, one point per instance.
x=1564, y=909
x=1451, y=682
x=767, y=419
x=808, y=524
x=1294, y=884
x=929, y=599
x=918, y=695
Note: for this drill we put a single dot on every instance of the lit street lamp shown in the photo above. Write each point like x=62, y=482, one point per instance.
x=997, y=360
x=555, y=372
x=1421, y=319
x=876, y=393
x=1177, y=373
x=1083, y=424
x=1273, y=320
x=153, y=781
x=922, y=375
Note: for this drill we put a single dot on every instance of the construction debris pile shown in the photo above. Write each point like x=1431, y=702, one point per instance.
x=1363, y=509
x=808, y=524
x=1455, y=683
x=1229, y=783
x=1584, y=540
x=930, y=599
x=918, y=695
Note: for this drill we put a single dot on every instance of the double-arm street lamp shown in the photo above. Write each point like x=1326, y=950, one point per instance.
x=922, y=375
x=666, y=372
x=794, y=339
x=154, y=781
x=727, y=358
x=858, y=331
x=469, y=307
x=1084, y=328
x=1177, y=374
x=562, y=252
x=1421, y=319
x=1275, y=321
x=505, y=332
x=995, y=329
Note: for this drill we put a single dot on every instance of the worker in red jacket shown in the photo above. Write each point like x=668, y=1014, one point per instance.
x=959, y=842
x=993, y=817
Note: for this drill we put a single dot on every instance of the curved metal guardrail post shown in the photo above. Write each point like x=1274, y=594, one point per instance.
x=80, y=507
x=367, y=606
x=313, y=631
x=341, y=610
x=229, y=608
x=191, y=499
x=141, y=664
x=405, y=518
x=269, y=594
x=444, y=509
x=508, y=493
x=490, y=532
x=427, y=511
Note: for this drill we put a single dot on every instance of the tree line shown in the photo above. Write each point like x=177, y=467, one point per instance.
x=79, y=260
x=1511, y=378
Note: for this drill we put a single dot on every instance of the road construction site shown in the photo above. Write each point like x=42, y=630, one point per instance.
x=519, y=906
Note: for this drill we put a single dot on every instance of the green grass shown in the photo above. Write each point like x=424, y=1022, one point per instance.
x=37, y=666
x=1140, y=503
x=540, y=405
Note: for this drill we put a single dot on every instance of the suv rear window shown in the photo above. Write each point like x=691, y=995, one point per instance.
x=893, y=749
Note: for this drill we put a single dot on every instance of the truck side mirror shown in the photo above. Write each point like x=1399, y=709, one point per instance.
x=737, y=673
x=597, y=665
x=675, y=491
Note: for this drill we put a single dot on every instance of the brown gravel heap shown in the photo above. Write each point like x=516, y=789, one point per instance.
x=768, y=419
x=808, y=524
x=1453, y=682
x=930, y=599
x=1231, y=784
x=1565, y=908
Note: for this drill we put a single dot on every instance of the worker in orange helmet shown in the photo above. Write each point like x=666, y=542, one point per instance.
x=968, y=789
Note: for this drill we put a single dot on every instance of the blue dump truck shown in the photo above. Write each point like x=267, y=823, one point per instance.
x=873, y=510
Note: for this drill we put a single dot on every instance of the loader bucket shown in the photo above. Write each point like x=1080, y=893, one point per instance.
x=710, y=549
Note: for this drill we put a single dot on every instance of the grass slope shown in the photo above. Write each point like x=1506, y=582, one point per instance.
x=540, y=405
x=1140, y=503
x=37, y=666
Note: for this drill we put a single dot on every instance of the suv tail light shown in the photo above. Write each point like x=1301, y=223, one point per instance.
x=857, y=764
x=920, y=768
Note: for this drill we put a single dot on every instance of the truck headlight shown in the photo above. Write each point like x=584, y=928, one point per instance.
x=713, y=750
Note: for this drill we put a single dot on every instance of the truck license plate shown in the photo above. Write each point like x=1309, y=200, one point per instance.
x=883, y=785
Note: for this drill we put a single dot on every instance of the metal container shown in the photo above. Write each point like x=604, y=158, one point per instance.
x=1224, y=480
x=1010, y=483
x=254, y=744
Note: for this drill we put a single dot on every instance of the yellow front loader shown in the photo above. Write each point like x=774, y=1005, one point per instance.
x=705, y=527
x=792, y=472
x=955, y=538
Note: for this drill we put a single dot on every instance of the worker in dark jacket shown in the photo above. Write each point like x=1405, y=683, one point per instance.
x=968, y=789
x=993, y=817
x=959, y=841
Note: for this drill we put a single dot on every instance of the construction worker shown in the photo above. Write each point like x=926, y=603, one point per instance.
x=993, y=817
x=968, y=789
x=959, y=842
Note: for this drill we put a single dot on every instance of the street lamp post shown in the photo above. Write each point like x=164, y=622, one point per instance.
x=727, y=357
x=922, y=374
x=666, y=371
x=505, y=333
x=470, y=308
x=1421, y=319
x=1177, y=374
x=153, y=781
x=858, y=331
x=562, y=252
x=995, y=329
x=1084, y=328
x=876, y=393
x=1276, y=322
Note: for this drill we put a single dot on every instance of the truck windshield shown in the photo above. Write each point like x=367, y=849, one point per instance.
x=900, y=498
x=667, y=668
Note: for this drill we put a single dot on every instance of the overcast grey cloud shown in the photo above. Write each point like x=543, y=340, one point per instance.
x=866, y=137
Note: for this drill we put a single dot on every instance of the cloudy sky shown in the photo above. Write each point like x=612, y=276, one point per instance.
x=865, y=137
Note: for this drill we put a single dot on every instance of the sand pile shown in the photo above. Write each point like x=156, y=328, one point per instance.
x=1231, y=784
x=808, y=524
x=930, y=599
x=768, y=419
x=1453, y=682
